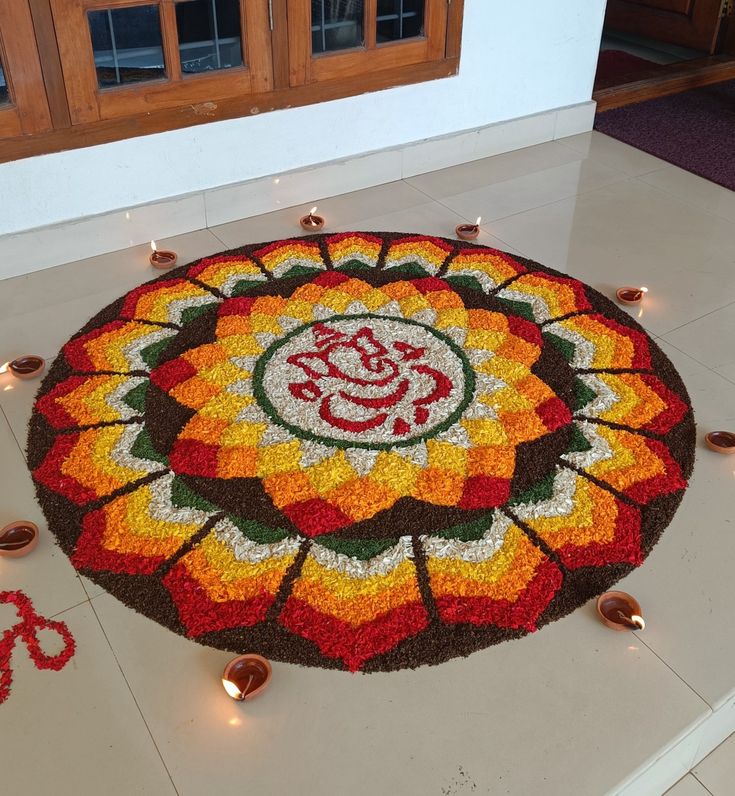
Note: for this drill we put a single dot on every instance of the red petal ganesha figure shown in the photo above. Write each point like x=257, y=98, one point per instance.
x=361, y=384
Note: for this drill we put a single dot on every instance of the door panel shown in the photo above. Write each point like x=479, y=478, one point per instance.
x=690, y=23
x=676, y=6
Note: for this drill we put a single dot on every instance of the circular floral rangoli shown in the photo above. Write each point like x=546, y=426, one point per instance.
x=360, y=451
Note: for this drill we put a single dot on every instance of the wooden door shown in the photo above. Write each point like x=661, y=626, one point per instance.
x=690, y=23
x=23, y=105
x=335, y=39
x=126, y=57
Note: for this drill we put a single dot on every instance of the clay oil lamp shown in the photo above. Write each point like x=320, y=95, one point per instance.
x=469, y=231
x=161, y=258
x=18, y=538
x=620, y=611
x=312, y=222
x=246, y=676
x=631, y=295
x=720, y=441
x=29, y=366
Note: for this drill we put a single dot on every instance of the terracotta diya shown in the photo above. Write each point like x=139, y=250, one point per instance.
x=246, y=676
x=18, y=538
x=162, y=258
x=312, y=222
x=720, y=441
x=468, y=231
x=631, y=295
x=620, y=611
x=29, y=366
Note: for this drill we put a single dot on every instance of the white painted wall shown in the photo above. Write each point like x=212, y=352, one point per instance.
x=519, y=57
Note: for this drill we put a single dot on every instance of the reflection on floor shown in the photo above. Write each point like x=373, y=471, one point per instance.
x=574, y=708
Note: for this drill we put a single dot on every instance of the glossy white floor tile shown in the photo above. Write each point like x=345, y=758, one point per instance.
x=346, y=210
x=527, y=717
x=46, y=573
x=512, y=716
x=613, y=153
x=710, y=339
x=694, y=189
x=717, y=771
x=121, y=270
x=502, y=186
x=494, y=170
x=685, y=585
x=688, y=786
x=78, y=731
x=629, y=233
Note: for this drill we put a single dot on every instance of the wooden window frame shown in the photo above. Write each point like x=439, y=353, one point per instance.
x=305, y=67
x=89, y=103
x=200, y=99
x=27, y=112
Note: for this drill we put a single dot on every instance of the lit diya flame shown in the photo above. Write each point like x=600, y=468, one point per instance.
x=631, y=295
x=162, y=259
x=233, y=690
x=469, y=231
x=312, y=221
x=246, y=676
x=620, y=611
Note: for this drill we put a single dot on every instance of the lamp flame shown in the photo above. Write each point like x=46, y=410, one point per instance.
x=313, y=210
x=153, y=245
x=479, y=221
x=639, y=621
x=644, y=290
x=232, y=689
x=4, y=368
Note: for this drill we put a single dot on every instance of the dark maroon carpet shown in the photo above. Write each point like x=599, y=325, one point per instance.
x=694, y=130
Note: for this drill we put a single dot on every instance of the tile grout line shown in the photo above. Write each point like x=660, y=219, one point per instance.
x=206, y=213
x=694, y=320
x=132, y=694
x=70, y=608
x=691, y=771
x=668, y=666
x=13, y=435
x=707, y=367
x=218, y=238
x=625, y=178
x=679, y=197
x=464, y=218
x=610, y=138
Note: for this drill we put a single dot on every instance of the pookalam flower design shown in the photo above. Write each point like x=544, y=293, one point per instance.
x=360, y=451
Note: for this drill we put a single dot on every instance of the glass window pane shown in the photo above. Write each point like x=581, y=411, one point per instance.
x=400, y=19
x=209, y=34
x=4, y=94
x=336, y=24
x=127, y=45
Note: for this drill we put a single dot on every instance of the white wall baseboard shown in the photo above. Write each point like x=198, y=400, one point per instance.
x=46, y=247
x=682, y=754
